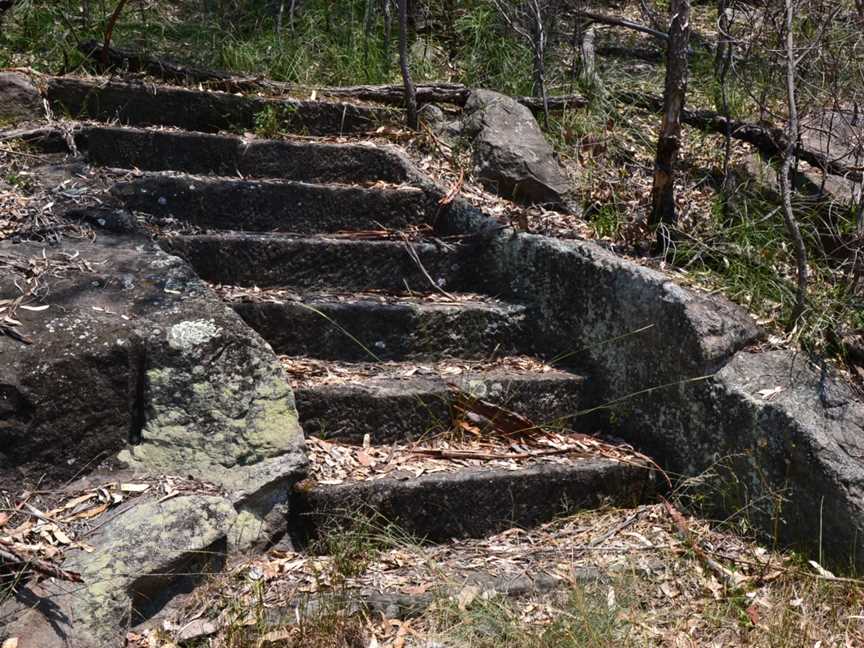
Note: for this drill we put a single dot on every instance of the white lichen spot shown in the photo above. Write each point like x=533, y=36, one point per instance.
x=189, y=334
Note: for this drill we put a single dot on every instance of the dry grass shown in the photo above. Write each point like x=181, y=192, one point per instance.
x=602, y=578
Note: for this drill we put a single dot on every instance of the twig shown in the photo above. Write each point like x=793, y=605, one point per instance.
x=416, y=258
x=681, y=524
x=7, y=553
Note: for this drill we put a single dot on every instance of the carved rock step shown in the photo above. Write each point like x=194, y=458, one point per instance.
x=274, y=205
x=321, y=262
x=472, y=502
x=228, y=155
x=375, y=326
x=139, y=104
x=406, y=401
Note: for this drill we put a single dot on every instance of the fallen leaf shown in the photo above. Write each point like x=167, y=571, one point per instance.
x=466, y=597
x=768, y=394
x=134, y=488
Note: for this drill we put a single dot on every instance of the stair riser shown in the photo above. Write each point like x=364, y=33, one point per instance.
x=310, y=264
x=407, y=410
x=273, y=207
x=199, y=153
x=367, y=331
x=139, y=105
x=473, y=504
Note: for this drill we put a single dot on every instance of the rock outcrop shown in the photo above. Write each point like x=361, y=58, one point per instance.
x=511, y=156
x=19, y=99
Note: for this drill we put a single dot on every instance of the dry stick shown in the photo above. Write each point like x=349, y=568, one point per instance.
x=109, y=29
x=621, y=22
x=416, y=258
x=8, y=554
x=685, y=532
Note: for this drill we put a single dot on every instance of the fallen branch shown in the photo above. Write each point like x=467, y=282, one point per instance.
x=11, y=558
x=621, y=22
x=684, y=530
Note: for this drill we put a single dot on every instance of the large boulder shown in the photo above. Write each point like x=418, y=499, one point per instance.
x=511, y=155
x=139, y=560
x=19, y=99
x=134, y=360
x=115, y=356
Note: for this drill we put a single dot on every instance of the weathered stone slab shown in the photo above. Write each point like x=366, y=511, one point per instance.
x=136, y=359
x=228, y=155
x=147, y=104
x=511, y=156
x=364, y=329
x=19, y=99
x=272, y=205
x=140, y=560
x=319, y=262
x=473, y=503
x=391, y=406
x=786, y=448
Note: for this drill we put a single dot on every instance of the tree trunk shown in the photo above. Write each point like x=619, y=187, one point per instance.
x=410, y=90
x=109, y=30
x=388, y=30
x=786, y=168
x=538, y=45
x=674, y=95
x=722, y=64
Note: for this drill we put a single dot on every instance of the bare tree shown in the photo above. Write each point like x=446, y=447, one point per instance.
x=722, y=64
x=410, y=90
x=532, y=20
x=789, y=160
x=674, y=95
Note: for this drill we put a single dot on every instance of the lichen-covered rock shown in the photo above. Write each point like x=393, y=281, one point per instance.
x=19, y=99
x=133, y=357
x=140, y=559
x=775, y=442
x=511, y=155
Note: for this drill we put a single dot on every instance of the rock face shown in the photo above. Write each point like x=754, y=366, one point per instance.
x=19, y=99
x=142, y=558
x=125, y=358
x=511, y=155
x=135, y=358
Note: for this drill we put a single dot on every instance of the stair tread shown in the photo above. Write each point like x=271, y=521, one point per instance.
x=412, y=376
x=160, y=149
x=431, y=300
x=452, y=498
x=322, y=261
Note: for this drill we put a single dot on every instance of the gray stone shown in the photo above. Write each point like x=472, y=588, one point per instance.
x=19, y=99
x=786, y=449
x=511, y=154
x=135, y=358
x=141, y=559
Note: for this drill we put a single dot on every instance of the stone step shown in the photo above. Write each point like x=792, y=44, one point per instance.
x=328, y=263
x=376, y=326
x=139, y=104
x=468, y=502
x=229, y=155
x=399, y=401
x=274, y=205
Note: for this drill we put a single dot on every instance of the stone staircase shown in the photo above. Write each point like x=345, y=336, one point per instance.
x=330, y=252
x=400, y=353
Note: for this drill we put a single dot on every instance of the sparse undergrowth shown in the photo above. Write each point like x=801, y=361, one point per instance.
x=620, y=578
